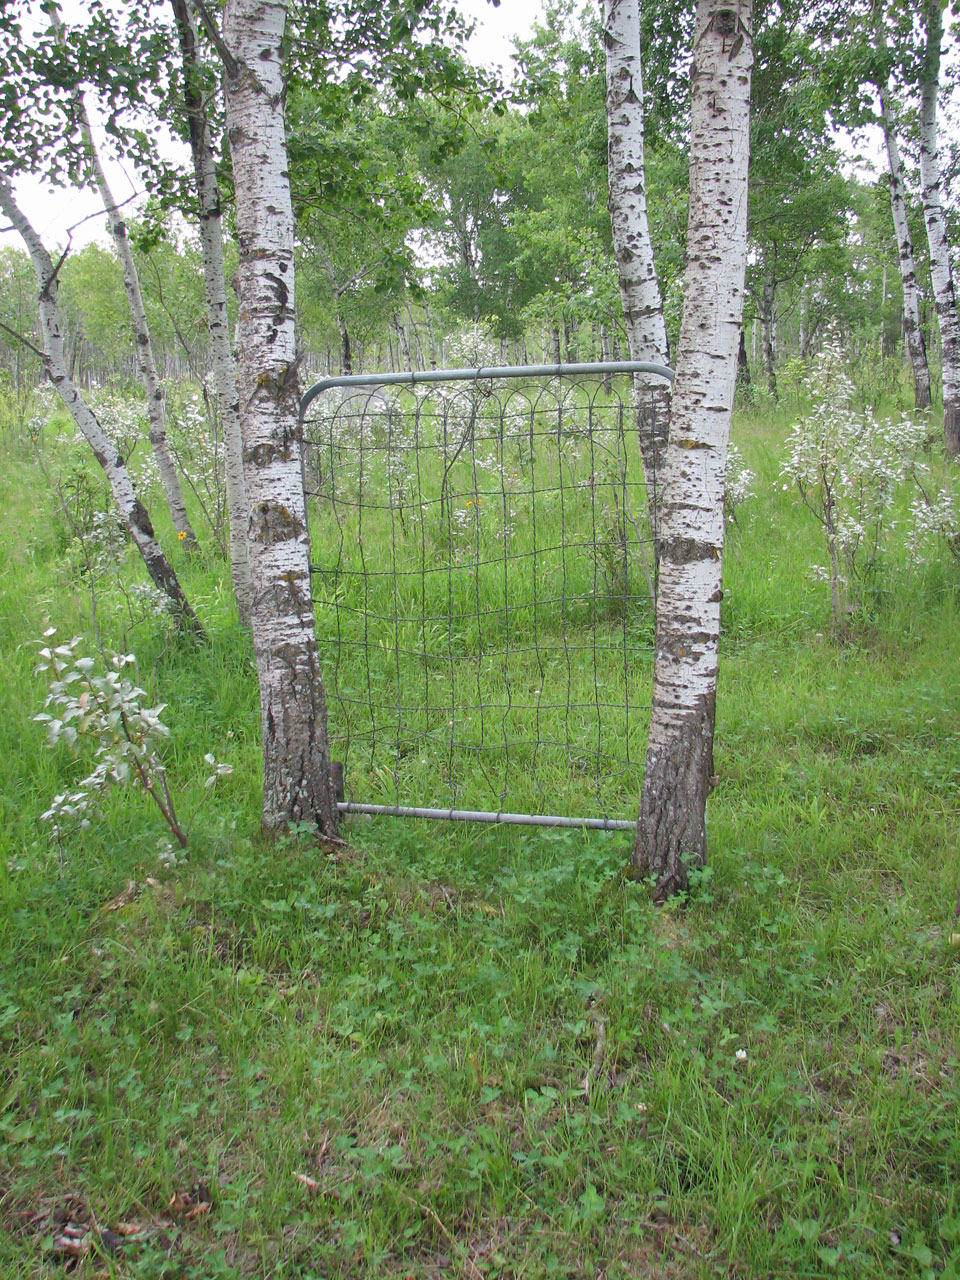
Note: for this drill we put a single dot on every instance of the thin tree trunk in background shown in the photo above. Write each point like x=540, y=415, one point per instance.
x=297, y=782
x=767, y=321
x=215, y=294
x=403, y=344
x=743, y=365
x=941, y=273
x=346, y=356
x=639, y=289
x=671, y=828
x=431, y=336
x=131, y=509
x=416, y=345
x=605, y=356
x=146, y=364
x=912, y=329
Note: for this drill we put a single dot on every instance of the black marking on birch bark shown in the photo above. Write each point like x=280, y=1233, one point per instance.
x=261, y=455
x=680, y=646
x=291, y=594
x=280, y=286
x=274, y=522
x=139, y=518
x=687, y=550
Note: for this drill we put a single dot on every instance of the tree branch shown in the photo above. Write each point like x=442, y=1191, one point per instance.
x=210, y=27
x=20, y=338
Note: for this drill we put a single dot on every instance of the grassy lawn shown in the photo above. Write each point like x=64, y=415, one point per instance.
x=477, y=1051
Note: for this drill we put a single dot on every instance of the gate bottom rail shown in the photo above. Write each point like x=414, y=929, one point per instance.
x=486, y=815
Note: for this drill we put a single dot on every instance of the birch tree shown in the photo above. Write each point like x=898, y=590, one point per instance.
x=297, y=784
x=912, y=330
x=131, y=509
x=941, y=273
x=146, y=364
x=215, y=295
x=639, y=288
x=671, y=829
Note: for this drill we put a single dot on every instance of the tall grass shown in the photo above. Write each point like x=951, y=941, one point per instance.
x=448, y=1050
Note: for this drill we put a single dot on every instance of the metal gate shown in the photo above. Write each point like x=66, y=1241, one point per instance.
x=483, y=578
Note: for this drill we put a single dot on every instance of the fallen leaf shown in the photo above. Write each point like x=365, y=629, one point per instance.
x=72, y=1244
x=192, y=1203
x=123, y=899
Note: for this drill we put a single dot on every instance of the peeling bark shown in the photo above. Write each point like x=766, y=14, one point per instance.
x=941, y=273
x=912, y=330
x=131, y=509
x=215, y=294
x=297, y=783
x=671, y=828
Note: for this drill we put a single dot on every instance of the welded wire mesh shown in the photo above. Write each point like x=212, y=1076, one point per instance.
x=483, y=577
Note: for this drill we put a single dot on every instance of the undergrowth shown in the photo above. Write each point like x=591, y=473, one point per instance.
x=445, y=1050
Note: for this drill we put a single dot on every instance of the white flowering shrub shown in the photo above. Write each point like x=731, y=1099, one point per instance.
x=109, y=711
x=123, y=418
x=738, y=487
x=43, y=402
x=471, y=349
x=847, y=466
x=934, y=510
x=195, y=440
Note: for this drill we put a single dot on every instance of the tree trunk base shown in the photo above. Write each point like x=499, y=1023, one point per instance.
x=671, y=835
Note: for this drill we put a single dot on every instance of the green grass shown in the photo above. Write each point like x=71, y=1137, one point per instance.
x=280, y=1062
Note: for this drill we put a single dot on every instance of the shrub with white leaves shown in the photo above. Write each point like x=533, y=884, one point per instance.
x=739, y=483
x=108, y=710
x=934, y=510
x=847, y=466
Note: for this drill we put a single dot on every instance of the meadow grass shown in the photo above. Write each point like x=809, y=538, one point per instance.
x=474, y=1051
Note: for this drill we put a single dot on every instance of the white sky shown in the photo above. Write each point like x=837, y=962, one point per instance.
x=53, y=210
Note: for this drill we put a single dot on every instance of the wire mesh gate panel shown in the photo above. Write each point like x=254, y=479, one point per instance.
x=483, y=577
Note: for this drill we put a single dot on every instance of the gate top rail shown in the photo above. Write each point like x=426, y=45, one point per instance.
x=412, y=377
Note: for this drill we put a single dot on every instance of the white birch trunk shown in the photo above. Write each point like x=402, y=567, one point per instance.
x=639, y=289
x=297, y=783
x=671, y=830
x=131, y=509
x=941, y=273
x=215, y=294
x=912, y=330
x=146, y=364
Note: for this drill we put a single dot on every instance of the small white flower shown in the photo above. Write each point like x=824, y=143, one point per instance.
x=741, y=1055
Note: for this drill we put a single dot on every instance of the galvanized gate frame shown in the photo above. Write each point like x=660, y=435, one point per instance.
x=416, y=377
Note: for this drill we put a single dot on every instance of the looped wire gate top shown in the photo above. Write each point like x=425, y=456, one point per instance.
x=484, y=579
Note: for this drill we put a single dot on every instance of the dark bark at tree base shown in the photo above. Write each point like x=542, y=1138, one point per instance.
x=298, y=779
x=671, y=829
